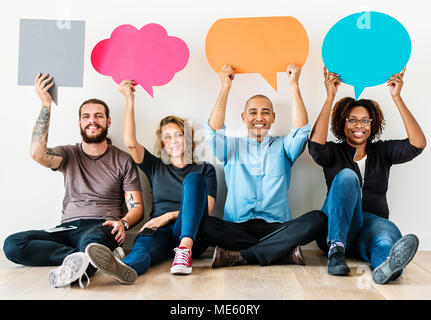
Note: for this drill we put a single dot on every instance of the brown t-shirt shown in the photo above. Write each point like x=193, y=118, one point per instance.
x=95, y=186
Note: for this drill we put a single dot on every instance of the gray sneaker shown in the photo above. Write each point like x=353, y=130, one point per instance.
x=103, y=259
x=73, y=268
x=401, y=254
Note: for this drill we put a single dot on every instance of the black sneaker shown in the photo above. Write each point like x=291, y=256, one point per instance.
x=401, y=254
x=337, y=263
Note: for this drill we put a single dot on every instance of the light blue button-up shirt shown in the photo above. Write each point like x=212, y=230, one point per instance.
x=257, y=174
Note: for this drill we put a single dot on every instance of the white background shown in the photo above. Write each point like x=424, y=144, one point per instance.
x=31, y=195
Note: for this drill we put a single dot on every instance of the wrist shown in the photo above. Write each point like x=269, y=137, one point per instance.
x=294, y=86
x=330, y=98
x=125, y=223
x=397, y=97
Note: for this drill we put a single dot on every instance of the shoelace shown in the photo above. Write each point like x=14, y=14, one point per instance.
x=88, y=281
x=338, y=257
x=182, y=256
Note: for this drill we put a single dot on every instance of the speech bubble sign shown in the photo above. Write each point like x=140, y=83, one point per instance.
x=149, y=56
x=264, y=45
x=365, y=49
x=49, y=46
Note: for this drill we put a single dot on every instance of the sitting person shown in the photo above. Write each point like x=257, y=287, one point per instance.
x=183, y=192
x=257, y=225
x=357, y=171
x=98, y=178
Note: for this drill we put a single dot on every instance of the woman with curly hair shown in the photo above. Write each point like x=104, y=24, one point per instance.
x=356, y=170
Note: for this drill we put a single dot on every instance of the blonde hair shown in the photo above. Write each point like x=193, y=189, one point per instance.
x=188, y=133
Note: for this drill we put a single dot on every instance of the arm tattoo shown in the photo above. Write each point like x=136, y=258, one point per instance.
x=53, y=152
x=40, y=131
x=131, y=202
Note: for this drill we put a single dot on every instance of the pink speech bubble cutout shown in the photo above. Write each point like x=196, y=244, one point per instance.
x=148, y=56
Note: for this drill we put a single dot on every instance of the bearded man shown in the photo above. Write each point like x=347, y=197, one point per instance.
x=98, y=179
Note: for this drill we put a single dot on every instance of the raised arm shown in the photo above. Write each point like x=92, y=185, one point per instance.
x=319, y=133
x=414, y=131
x=299, y=113
x=218, y=113
x=48, y=157
x=137, y=151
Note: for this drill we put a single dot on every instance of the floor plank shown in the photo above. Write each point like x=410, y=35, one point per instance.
x=279, y=282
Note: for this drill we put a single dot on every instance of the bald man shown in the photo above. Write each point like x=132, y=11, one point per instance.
x=257, y=227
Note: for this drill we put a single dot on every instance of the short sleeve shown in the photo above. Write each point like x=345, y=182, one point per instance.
x=399, y=151
x=294, y=143
x=64, y=151
x=211, y=180
x=321, y=153
x=149, y=163
x=131, y=180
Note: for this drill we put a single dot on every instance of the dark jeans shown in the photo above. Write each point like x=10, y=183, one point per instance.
x=245, y=236
x=148, y=250
x=41, y=248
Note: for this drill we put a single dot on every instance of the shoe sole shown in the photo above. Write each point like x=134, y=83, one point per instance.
x=402, y=252
x=72, y=269
x=181, y=270
x=340, y=272
x=103, y=259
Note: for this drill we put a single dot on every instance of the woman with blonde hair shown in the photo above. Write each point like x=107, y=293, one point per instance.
x=183, y=191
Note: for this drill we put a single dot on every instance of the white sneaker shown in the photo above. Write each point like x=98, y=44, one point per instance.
x=72, y=269
x=119, y=253
x=103, y=259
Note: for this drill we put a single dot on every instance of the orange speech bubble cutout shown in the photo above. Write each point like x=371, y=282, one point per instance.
x=265, y=45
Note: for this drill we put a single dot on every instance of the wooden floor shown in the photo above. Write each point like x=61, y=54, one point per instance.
x=244, y=282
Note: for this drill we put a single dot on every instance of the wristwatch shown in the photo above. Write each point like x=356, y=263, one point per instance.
x=126, y=225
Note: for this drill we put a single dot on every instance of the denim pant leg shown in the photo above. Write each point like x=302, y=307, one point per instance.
x=92, y=231
x=343, y=206
x=148, y=250
x=38, y=248
x=376, y=239
x=194, y=204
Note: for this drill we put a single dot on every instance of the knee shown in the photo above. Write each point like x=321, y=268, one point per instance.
x=317, y=220
x=11, y=248
x=347, y=178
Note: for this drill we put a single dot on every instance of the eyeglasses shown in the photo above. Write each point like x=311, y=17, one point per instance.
x=364, y=122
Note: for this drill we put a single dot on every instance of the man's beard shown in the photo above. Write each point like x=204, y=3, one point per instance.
x=95, y=139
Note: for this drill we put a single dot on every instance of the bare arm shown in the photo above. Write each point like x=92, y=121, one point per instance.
x=299, y=113
x=319, y=133
x=218, y=113
x=136, y=150
x=48, y=157
x=414, y=131
x=168, y=217
x=135, y=213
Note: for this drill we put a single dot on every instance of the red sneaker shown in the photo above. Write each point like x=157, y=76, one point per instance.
x=182, y=263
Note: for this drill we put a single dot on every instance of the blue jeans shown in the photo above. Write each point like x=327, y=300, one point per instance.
x=363, y=233
x=148, y=250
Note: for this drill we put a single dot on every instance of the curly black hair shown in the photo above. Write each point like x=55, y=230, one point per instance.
x=341, y=111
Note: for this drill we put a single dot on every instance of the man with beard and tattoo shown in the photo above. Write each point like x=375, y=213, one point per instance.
x=98, y=179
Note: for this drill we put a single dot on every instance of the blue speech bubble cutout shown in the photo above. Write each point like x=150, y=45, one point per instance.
x=365, y=49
